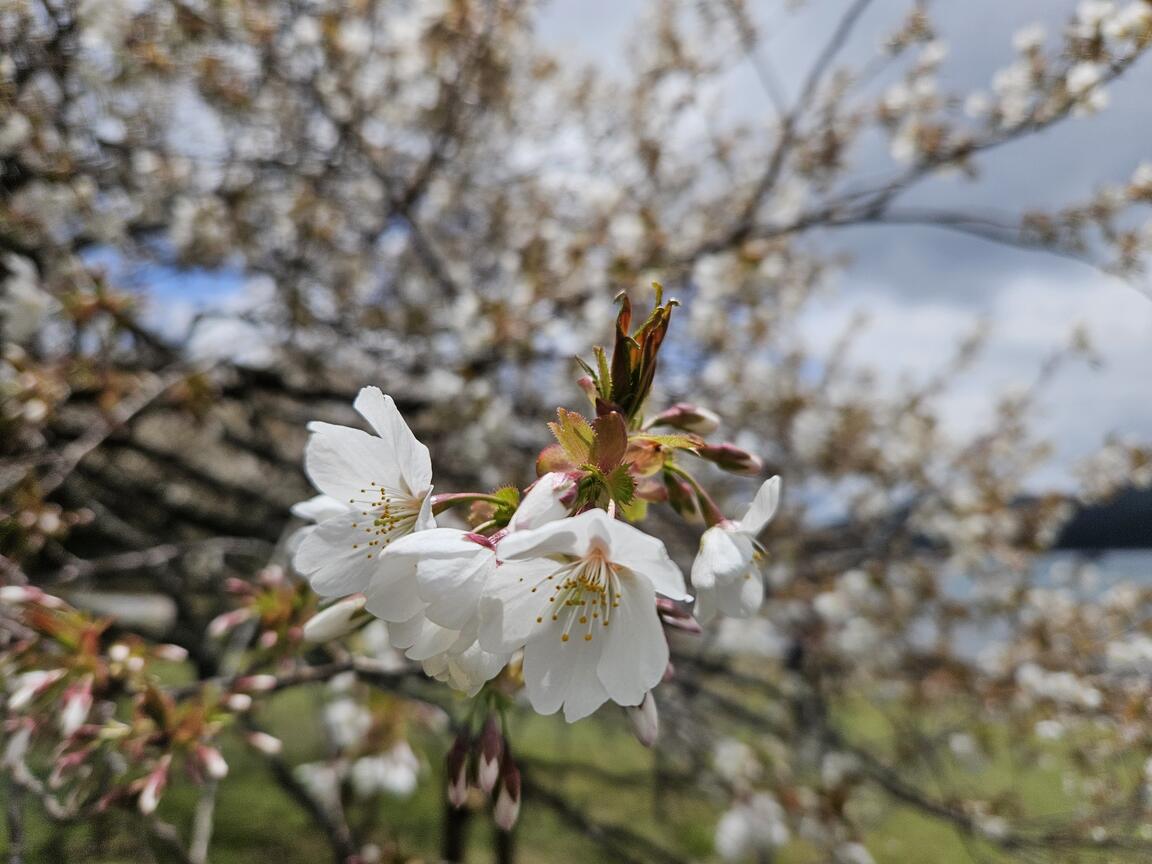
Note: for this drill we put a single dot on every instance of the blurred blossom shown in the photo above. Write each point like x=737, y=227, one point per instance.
x=394, y=772
x=347, y=722
x=753, y=826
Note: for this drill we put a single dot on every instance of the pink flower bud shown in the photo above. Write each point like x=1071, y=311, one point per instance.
x=17, y=594
x=257, y=683
x=77, y=703
x=153, y=787
x=731, y=458
x=30, y=685
x=491, y=751
x=336, y=620
x=507, y=809
x=171, y=653
x=457, y=770
x=65, y=765
x=238, y=702
x=672, y=615
x=222, y=624
x=268, y=639
x=586, y=384
x=682, y=497
x=212, y=762
x=265, y=743
x=689, y=417
x=645, y=720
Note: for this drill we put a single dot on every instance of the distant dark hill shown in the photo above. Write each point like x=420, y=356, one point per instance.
x=1124, y=522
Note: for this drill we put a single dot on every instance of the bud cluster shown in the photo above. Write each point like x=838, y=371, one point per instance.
x=89, y=723
x=273, y=608
x=483, y=764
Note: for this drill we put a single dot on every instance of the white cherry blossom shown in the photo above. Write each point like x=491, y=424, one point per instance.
x=384, y=483
x=429, y=586
x=725, y=574
x=579, y=595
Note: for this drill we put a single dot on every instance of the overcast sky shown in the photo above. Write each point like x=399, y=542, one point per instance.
x=924, y=287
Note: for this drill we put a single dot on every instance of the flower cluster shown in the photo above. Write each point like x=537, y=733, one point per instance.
x=553, y=587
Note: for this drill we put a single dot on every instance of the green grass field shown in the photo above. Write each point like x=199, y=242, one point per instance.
x=596, y=766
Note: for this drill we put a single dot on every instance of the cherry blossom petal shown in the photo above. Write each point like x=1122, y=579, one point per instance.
x=643, y=554
x=743, y=597
x=341, y=462
x=509, y=608
x=705, y=609
x=763, y=507
x=635, y=652
x=572, y=536
x=319, y=508
x=543, y=502
x=563, y=673
x=433, y=640
x=403, y=634
x=335, y=557
x=394, y=593
x=415, y=465
x=450, y=572
x=725, y=554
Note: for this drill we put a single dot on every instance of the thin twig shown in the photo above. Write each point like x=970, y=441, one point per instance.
x=203, y=823
x=17, y=799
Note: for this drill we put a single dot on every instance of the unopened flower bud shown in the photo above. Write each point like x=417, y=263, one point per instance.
x=586, y=384
x=238, y=702
x=267, y=744
x=457, y=771
x=17, y=745
x=729, y=457
x=30, y=685
x=672, y=615
x=17, y=594
x=171, y=653
x=645, y=720
x=226, y=622
x=336, y=620
x=507, y=809
x=77, y=703
x=65, y=765
x=212, y=762
x=689, y=417
x=268, y=639
x=153, y=787
x=257, y=683
x=681, y=497
x=491, y=752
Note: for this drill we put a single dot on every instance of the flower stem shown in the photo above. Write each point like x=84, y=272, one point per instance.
x=440, y=503
x=708, y=508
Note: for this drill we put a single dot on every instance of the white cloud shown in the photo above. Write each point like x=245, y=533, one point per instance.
x=1029, y=318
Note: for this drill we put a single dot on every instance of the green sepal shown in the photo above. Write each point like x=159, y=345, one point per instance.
x=574, y=434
